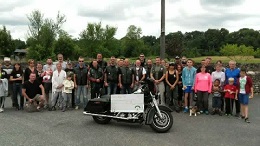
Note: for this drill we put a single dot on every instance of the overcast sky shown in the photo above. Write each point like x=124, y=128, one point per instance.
x=181, y=15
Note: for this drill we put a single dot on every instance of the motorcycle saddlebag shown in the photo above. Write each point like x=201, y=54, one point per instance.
x=98, y=105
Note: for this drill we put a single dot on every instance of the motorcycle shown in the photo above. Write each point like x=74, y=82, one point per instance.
x=109, y=107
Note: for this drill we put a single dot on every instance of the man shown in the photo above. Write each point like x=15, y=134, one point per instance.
x=61, y=61
x=111, y=76
x=142, y=59
x=3, y=87
x=120, y=64
x=8, y=68
x=81, y=82
x=33, y=91
x=177, y=60
x=126, y=78
x=233, y=72
x=101, y=63
x=58, y=77
x=209, y=67
x=202, y=63
x=95, y=76
x=48, y=69
x=148, y=75
x=157, y=75
x=139, y=73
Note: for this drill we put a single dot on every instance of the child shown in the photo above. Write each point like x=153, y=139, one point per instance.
x=67, y=91
x=230, y=93
x=216, y=100
x=188, y=77
x=244, y=89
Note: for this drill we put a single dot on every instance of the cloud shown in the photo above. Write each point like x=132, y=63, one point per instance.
x=9, y=5
x=221, y=3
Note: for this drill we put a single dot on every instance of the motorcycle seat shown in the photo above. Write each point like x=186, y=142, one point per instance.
x=104, y=98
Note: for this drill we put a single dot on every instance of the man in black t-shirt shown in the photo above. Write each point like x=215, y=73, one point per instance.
x=31, y=92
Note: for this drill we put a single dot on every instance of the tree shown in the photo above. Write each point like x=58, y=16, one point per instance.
x=96, y=39
x=174, y=44
x=132, y=43
x=18, y=44
x=6, y=44
x=238, y=53
x=43, y=32
x=65, y=46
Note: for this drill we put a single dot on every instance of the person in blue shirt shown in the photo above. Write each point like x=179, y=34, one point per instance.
x=188, y=77
x=233, y=72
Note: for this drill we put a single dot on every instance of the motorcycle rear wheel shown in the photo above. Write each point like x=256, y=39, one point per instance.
x=101, y=120
x=164, y=124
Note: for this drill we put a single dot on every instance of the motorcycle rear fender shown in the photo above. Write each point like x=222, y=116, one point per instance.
x=152, y=111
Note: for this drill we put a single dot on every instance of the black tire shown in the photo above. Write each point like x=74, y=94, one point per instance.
x=164, y=124
x=101, y=120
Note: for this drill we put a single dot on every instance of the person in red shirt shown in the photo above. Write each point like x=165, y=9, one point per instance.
x=230, y=94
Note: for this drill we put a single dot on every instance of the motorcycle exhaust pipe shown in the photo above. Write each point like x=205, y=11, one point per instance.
x=108, y=116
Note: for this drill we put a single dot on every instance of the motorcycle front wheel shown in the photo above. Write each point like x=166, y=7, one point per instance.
x=101, y=120
x=163, y=124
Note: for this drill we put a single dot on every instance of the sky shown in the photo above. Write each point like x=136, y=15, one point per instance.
x=181, y=15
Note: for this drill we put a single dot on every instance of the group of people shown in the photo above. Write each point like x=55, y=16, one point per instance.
x=179, y=83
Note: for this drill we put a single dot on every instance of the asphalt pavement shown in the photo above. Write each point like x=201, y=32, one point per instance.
x=72, y=128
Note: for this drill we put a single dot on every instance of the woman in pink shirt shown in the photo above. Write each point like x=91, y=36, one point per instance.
x=203, y=86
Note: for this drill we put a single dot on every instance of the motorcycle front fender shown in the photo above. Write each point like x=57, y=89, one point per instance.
x=152, y=111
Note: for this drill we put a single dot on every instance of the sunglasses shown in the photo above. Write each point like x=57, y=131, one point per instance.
x=81, y=61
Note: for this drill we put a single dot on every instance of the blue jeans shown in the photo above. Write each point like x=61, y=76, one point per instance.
x=111, y=89
x=17, y=89
x=81, y=90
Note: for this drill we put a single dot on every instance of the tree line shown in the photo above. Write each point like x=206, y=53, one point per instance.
x=46, y=38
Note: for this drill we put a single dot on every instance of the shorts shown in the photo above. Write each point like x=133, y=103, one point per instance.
x=243, y=98
x=188, y=89
x=37, y=97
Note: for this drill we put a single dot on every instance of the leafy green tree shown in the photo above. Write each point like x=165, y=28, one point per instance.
x=19, y=44
x=238, y=53
x=6, y=44
x=65, y=46
x=174, y=44
x=96, y=39
x=132, y=43
x=43, y=32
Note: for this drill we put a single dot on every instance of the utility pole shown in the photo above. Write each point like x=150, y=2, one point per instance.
x=162, y=44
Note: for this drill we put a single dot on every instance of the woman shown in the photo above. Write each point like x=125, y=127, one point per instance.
x=39, y=70
x=180, y=85
x=172, y=78
x=17, y=78
x=203, y=86
x=29, y=70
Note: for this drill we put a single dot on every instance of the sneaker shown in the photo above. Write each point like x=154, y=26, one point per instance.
x=206, y=112
x=1, y=110
x=241, y=117
x=185, y=110
x=247, y=120
x=77, y=107
x=201, y=112
x=63, y=109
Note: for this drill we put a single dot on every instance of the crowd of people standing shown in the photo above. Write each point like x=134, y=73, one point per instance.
x=180, y=84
